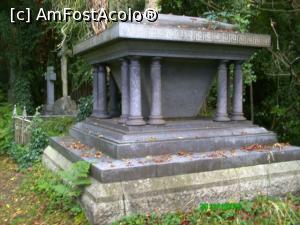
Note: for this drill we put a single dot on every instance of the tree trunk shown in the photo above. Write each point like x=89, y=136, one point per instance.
x=98, y=27
x=152, y=4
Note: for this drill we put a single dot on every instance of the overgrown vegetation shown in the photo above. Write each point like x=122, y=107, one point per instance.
x=85, y=108
x=58, y=126
x=26, y=155
x=263, y=210
x=64, y=188
x=6, y=127
x=25, y=200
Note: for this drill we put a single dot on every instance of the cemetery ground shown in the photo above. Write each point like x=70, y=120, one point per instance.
x=20, y=204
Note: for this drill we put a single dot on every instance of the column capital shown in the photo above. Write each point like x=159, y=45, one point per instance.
x=94, y=68
x=239, y=62
x=101, y=67
x=134, y=57
x=156, y=58
x=224, y=61
x=123, y=59
x=223, y=64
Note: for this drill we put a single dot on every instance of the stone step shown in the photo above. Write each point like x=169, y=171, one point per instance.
x=106, y=169
x=128, y=144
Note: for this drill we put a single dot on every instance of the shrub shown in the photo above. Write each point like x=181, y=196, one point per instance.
x=27, y=155
x=85, y=108
x=57, y=126
x=64, y=188
x=6, y=127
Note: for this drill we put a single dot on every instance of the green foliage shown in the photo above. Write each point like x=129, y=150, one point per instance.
x=64, y=188
x=80, y=72
x=263, y=210
x=6, y=127
x=69, y=31
x=57, y=126
x=125, y=4
x=85, y=108
x=26, y=156
x=39, y=138
x=22, y=93
x=2, y=95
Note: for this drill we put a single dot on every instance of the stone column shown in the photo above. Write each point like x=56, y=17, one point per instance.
x=113, y=97
x=64, y=54
x=101, y=92
x=228, y=88
x=237, y=108
x=95, y=90
x=135, y=115
x=156, y=111
x=221, y=113
x=125, y=91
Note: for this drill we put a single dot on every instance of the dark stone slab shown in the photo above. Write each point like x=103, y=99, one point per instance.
x=174, y=29
x=202, y=135
x=106, y=169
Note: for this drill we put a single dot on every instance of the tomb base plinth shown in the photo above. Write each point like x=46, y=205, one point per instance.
x=189, y=135
x=228, y=178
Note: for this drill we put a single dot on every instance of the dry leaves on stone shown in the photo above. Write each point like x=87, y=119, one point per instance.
x=281, y=145
x=97, y=155
x=183, y=153
x=77, y=146
x=162, y=158
x=260, y=147
x=217, y=154
x=256, y=147
x=87, y=155
x=127, y=162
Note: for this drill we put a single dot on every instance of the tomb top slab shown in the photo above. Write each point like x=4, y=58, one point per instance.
x=176, y=29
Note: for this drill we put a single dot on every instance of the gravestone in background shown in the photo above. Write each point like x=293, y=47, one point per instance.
x=50, y=77
x=65, y=105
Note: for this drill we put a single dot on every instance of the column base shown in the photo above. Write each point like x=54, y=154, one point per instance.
x=221, y=118
x=237, y=117
x=123, y=119
x=156, y=120
x=136, y=121
x=114, y=114
x=101, y=115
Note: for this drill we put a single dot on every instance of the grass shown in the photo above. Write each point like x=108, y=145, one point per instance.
x=21, y=204
x=263, y=210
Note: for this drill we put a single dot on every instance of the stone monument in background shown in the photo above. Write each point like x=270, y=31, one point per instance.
x=64, y=105
x=50, y=77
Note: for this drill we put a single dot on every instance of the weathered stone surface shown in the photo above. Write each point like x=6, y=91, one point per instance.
x=106, y=169
x=104, y=203
x=50, y=77
x=64, y=106
x=203, y=135
x=167, y=31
